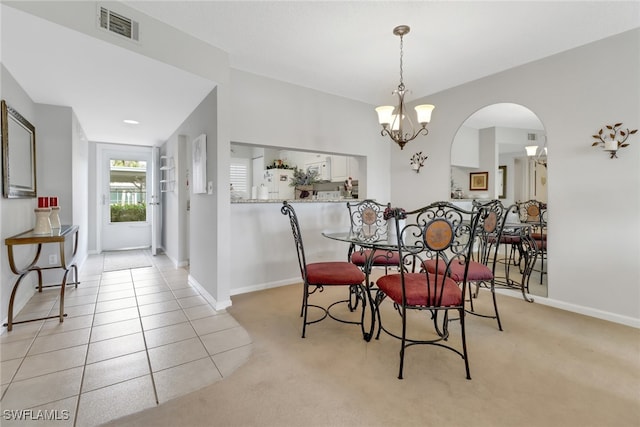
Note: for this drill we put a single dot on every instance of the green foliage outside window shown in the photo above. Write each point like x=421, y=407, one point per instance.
x=129, y=213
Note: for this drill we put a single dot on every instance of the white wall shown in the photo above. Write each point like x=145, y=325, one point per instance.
x=61, y=165
x=261, y=245
x=268, y=112
x=263, y=251
x=593, y=261
x=17, y=214
x=205, y=267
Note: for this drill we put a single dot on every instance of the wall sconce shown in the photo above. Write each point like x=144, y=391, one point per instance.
x=417, y=161
x=617, y=138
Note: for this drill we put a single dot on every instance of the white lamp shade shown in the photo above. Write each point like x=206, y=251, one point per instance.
x=531, y=150
x=385, y=114
x=395, y=124
x=424, y=113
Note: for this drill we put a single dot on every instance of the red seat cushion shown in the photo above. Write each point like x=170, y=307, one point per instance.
x=539, y=236
x=509, y=239
x=416, y=289
x=477, y=271
x=334, y=273
x=381, y=257
x=542, y=244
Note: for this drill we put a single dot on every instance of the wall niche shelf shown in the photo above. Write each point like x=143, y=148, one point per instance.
x=167, y=174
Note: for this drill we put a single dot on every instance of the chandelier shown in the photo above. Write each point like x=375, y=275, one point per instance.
x=538, y=154
x=395, y=120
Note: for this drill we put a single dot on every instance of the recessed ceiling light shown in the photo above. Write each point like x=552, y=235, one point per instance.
x=131, y=122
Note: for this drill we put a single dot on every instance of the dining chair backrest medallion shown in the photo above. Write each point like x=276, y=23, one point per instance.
x=531, y=210
x=367, y=219
x=492, y=226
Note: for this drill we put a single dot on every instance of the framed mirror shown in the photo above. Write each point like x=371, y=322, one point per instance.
x=18, y=155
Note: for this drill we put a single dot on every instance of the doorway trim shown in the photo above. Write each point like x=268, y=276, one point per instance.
x=102, y=152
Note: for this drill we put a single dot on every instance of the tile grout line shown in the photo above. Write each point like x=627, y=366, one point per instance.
x=144, y=338
x=210, y=356
x=23, y=358
x=86, y=356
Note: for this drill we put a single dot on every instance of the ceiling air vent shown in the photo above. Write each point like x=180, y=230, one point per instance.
x=118, y=24
x=532, y=137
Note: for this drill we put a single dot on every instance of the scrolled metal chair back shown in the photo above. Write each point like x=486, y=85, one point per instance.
x=491, y=228
x=442, y=232
x=287, y=209
x=367, y=220
x=530, y=210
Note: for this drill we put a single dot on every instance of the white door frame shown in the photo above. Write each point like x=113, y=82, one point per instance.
x=103, y=151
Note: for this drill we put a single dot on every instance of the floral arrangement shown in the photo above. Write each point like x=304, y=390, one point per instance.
x=300, y=177
x=394, y=213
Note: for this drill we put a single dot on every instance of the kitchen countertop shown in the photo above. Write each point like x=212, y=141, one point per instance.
x=306, y=200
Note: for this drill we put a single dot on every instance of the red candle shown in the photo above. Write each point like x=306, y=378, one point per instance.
x=43, y=202
x=53, y=201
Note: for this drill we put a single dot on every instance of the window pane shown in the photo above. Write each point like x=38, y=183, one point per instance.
x=128, y=190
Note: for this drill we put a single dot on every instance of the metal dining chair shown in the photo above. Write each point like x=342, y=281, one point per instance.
x=368, y=222
x=318, y=275
x=445, y=233
x=482, y=267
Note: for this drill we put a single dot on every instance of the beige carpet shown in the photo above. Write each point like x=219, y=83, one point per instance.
x=548, y=368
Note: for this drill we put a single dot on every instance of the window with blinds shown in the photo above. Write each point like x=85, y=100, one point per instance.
x=239, y=174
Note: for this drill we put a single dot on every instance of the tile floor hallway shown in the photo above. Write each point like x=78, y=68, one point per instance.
x=132, y=339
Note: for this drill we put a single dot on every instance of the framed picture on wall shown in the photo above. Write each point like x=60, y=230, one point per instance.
x=199, y=155
x=479, y=181
x=502, y=182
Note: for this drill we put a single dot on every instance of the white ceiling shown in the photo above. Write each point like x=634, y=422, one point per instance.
x=341, y=47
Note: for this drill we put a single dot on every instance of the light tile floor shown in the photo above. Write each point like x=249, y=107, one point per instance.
x=132, y=339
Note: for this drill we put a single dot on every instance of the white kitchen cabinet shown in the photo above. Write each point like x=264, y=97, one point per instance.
x=343, y=167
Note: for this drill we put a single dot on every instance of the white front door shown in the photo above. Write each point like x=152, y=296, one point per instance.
x=126, y=211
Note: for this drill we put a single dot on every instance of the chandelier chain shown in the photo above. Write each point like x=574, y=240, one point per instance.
x=401, y=86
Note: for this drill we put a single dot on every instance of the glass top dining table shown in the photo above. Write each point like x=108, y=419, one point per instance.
x=372, y=246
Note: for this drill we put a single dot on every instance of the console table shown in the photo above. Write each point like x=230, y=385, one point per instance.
x=59, y=235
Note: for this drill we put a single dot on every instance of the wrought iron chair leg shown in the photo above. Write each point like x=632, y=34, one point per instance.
x=404, y=337
x=464, y=343
x=305, y=309
x=495, y=304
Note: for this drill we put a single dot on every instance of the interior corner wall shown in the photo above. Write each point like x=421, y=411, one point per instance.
x=80, y=187
x=16, y=214
x=592, y=260
x=203, y=236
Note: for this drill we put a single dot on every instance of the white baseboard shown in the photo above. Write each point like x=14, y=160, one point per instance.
x=263, y=286
x=175, y=262
x=587, y=311
x=574, y=308
x=217, y=305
